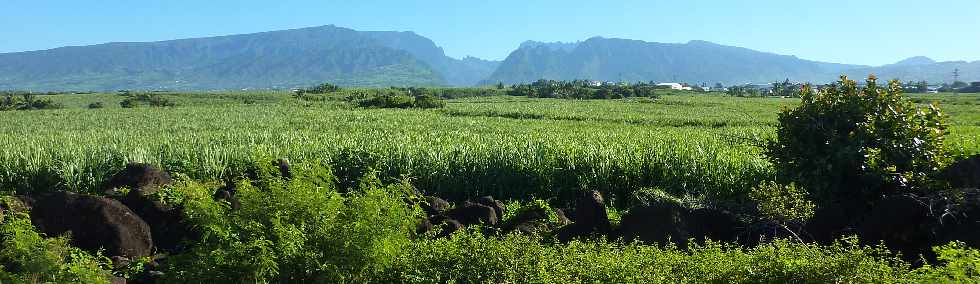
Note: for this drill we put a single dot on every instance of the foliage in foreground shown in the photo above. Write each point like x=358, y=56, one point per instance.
x=301, y=230
x=307, y=230
x=846, y=143
x=28, y=257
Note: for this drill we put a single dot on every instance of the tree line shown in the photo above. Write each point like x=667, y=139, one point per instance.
x=582, y=89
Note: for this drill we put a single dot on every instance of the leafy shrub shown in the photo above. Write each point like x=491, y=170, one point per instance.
x=129, y=103
x=402, y=101
x=744, y=91
x=158, y=101
x=28, y=257
x=471, y=257
x=782, y=203
x=786, y=89
x=959, y=264
x=428, y=101
x=846, y=143
x=95, y=105
x=582, y=89
x=304, y=230
x=395, y=101
x=320, y=89
x=138, y=99
x=27, y=101
x=300, y=230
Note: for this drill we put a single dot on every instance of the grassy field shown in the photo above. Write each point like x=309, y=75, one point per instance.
x=512, y=147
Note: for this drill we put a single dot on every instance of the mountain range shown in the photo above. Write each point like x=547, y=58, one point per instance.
x=308, y=56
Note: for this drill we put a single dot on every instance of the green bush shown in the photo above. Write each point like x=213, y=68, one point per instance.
x=744, y=91
x=27, y=101
x=847, y=143
x=402, y=101
x=95, y=105
x=158, y=101
x=320, y=89
x=300, y=230
x=958, y=264
x=782, y=203
x=428, y=101
x=583, y=89
x=471, y=257
x=129, y=103
x=136, y=100
x=306, y=230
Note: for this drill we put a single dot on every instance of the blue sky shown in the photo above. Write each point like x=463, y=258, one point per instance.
x=851, y=31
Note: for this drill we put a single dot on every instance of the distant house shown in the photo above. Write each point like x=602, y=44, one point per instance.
x=673, y=86
x=595, y=83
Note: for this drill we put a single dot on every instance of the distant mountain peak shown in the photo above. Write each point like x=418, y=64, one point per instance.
x=563, y=46
x=913, y=61
x=618, y=59
x=701, y=42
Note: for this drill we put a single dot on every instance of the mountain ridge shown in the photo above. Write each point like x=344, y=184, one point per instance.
x=283, y=59
x=306, y=56
x=615, y=59
x=698, y=61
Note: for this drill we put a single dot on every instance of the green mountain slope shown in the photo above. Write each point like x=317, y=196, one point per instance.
x=281, y=59
x=632, y=60
x=458, y=72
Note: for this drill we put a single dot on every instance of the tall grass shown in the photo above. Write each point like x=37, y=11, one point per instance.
x=699, y=145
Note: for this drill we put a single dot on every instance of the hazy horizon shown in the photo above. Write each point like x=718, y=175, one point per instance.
x=900, y=30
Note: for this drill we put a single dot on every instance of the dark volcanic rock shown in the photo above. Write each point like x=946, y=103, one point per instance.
x=284, y=170
x=527, y=221
x=655, y=223
x=562, y=219
x=449, y=227
x=473, y=213
x=763, y=232
x=829, y=223
x=227, y=193
x=228, y=196
x=446, y=226
x=145, y=179
x=660, y=222
x=424, y=226
x=964, y=173
x=714, y=224
x=94, y=222
x=166, y=222
x=434, y=205
x=590, y=213
x=498, y=207
x=590, y=218
x=903, y=223
x=961, y=220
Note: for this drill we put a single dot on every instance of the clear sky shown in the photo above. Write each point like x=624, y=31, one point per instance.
x=848, y=31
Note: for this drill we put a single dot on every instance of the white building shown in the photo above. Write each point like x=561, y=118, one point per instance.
x=673, y=86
